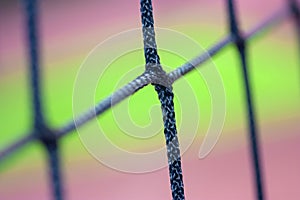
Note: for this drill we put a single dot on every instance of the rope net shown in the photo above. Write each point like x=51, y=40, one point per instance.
x=162, y=82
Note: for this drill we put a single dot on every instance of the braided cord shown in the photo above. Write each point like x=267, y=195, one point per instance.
x=173, y=151
x=166, y=96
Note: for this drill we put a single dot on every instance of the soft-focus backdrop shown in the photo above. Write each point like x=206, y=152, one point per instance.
x=69, y=30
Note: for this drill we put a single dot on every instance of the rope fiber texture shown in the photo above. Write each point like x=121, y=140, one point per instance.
x=165, y=96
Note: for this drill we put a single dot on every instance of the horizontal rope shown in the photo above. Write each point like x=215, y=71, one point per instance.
x=274, y=20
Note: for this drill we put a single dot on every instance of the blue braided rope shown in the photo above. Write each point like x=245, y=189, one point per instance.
x=166, y=96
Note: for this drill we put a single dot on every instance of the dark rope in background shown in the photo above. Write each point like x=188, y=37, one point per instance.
x=295, y=9
x=34, y=69
x=41, y=132
x=253, y=135
x=166, y=96
x=54, y=169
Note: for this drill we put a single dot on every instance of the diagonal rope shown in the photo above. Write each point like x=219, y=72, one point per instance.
x=253, y=134
x=166, y=96
x=29, y=137
x=119, y=95
x=271, y=22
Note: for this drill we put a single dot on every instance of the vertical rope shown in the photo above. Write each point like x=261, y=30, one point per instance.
x=45, y=135
x=54, y=169
x=33, y=44
x=253, y=135
x=173, y=151
x=166, y=96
